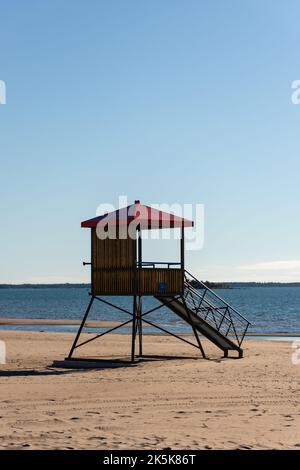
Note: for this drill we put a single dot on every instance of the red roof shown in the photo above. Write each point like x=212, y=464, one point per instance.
x=139, y=214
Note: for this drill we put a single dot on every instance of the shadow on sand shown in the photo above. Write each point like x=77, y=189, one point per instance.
x=76, y=365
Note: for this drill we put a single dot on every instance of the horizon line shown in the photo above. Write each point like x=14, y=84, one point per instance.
x=87, y=284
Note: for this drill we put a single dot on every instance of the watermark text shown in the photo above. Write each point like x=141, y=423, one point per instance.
x=152, y=220
x=295, y=97
x=2, y=352
x=2, y=92
x=296, y=353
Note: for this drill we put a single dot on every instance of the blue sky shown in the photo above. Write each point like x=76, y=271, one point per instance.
x=162, y=101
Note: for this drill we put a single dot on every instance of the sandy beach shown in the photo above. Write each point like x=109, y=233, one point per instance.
x=178, y=403
x=50, y=322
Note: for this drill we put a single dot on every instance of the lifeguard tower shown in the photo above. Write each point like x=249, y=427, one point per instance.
x=118, y=269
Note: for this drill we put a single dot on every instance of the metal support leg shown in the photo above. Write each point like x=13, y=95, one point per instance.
x=140, y=327
x=81, y=326
x=194, y=329
x=133, y=330
x=199, y=343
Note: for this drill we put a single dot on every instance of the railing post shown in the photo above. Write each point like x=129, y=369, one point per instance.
x=223, y=318
x=244, y=334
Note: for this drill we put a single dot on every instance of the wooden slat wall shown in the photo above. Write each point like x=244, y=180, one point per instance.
x=111, y=253
x=113, y=272
x=112, y=282
x=149, y=279
x=112, y=265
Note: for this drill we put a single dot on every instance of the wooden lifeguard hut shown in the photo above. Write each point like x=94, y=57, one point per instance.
x=118, y=269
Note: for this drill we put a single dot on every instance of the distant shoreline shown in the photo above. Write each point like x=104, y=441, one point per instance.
x=212, y=285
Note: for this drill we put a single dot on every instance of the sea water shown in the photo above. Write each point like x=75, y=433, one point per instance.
x=270, y=309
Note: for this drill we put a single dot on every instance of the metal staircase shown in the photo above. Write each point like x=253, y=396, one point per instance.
x=209, y=315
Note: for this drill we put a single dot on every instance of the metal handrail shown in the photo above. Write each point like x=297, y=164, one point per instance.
x=217, y=317
x=154, y=263
x=216, y=295
x=213, y=307
x=230, y=316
